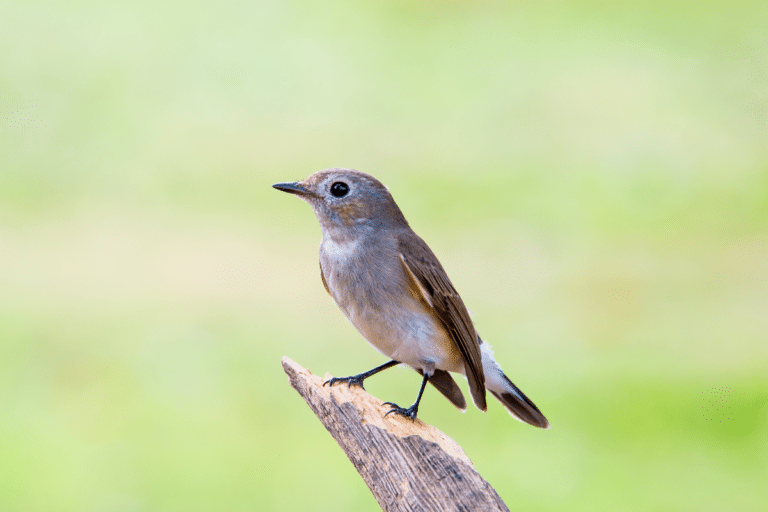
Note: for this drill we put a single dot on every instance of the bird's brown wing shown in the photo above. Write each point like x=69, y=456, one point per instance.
x=438, y=293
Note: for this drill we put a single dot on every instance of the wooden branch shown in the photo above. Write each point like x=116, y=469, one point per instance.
x=407, y=465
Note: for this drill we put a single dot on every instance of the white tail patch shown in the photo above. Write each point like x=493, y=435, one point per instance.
x=494, y=375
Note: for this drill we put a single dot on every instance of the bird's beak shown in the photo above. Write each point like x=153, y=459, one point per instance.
x=293, y=188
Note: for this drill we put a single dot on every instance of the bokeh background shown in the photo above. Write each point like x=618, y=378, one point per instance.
x=593, y=175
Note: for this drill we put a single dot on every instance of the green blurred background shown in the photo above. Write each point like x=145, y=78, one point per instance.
x=593, y=175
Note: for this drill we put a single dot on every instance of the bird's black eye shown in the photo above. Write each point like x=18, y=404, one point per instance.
x=339, y=189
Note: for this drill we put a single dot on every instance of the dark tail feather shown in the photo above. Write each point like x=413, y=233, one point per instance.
x=445, y=384
x=521, y=406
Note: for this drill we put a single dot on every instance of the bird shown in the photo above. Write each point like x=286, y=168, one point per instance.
x=392, y=288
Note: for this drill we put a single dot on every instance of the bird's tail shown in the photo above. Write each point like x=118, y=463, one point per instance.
x=517, y=404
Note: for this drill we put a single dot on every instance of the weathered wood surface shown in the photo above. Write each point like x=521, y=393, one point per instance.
x=408, y=465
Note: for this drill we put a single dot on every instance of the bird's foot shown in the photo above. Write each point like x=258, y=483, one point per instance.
x=353, y=380
x=410, y=412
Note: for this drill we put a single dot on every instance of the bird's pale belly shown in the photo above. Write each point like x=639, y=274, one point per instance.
x=406, y=333
x=377, y=302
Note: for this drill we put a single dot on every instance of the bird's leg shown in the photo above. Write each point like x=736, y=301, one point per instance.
x=412, y=410
x=358, y=379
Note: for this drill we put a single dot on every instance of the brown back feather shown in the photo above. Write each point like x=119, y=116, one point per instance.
x=440, y=295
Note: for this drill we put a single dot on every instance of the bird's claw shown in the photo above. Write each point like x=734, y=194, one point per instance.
x=410, y=412
x=353, y=380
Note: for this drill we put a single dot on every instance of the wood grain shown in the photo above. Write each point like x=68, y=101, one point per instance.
x=407, y=464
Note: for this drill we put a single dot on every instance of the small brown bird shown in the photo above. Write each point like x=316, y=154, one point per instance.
x=392, y=288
